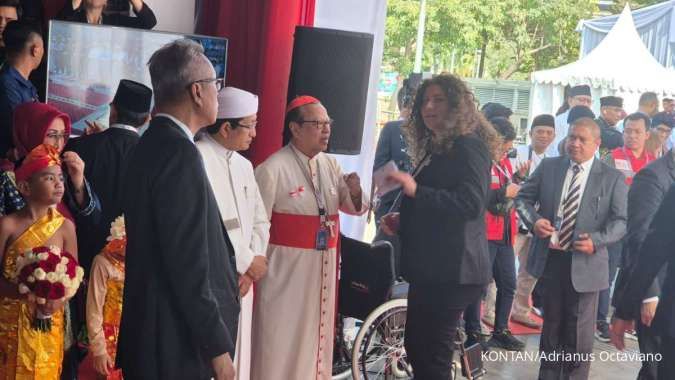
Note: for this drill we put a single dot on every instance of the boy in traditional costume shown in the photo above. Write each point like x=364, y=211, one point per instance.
x=27, y=353
x=104, y=303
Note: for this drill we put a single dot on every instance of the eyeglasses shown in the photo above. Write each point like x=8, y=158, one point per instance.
x=248, y=126
x=218, y=82
x=318, y=124
x=56, y=136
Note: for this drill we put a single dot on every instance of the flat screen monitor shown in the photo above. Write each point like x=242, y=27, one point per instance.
x=86, y=63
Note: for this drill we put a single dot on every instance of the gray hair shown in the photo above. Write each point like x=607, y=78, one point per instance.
x=173, y=67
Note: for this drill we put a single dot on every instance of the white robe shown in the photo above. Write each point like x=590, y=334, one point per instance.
x=243, y=214
x=561, y=129
x=295, y=304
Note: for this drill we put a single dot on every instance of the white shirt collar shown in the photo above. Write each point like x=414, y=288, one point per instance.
x=303, y=156
x=585, y=166
x=220, y=150
x=180, y=124
x=124, y=126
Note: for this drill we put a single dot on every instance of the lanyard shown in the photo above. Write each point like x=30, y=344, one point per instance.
x=502, y=171
x=318, y=196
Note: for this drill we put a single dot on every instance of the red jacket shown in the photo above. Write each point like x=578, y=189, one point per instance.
x=495, y=223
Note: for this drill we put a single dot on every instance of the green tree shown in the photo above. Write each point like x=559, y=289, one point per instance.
x=516, y=36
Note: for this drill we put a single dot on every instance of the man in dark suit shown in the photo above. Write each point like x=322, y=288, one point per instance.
x=181, y=300
x=656, y=250
x=649, y=187
x=582, y=209
x=104, y=155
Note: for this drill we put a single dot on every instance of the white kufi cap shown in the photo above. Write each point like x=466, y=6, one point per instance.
x=234, y=103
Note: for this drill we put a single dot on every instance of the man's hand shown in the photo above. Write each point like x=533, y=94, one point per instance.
x=223, y=368
x=543, y=228
x=354, y=184
x=406, y=181
x=584, y=244
x=92, y=127
x=103, y=364
x=75, y=167
x=390, y=223
x=617, y=331
x=245, y=282
x=258, y=268
x=511, y=190
x=523, y=168
x=647, y=311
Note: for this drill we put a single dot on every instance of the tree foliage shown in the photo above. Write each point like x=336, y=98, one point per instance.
x=519, y=36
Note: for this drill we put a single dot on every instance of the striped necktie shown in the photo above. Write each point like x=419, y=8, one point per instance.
x=570, y=209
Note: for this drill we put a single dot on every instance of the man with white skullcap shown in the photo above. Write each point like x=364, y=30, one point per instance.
x=239, y=202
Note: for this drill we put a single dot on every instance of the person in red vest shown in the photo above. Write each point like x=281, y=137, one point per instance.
x=501, y=227
x=629, y=159
x=632, y=157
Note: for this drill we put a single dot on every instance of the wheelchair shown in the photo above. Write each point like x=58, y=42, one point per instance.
x=372, y=306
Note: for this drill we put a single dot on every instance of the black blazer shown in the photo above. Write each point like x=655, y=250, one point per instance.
x=649, y=187
x=181, y=302
x=657, y=249
x=442, y=229
x=104, y=156
x=145, y=19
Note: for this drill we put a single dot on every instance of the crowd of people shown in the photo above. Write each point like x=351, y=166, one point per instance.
x=198, y=265
x=560, y=205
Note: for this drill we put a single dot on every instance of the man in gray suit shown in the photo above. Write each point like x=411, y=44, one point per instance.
x=582, y=209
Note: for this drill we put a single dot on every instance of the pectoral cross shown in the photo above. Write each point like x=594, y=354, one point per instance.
x=331, y=227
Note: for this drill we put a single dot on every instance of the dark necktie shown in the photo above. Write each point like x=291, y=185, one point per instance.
x=570, y=209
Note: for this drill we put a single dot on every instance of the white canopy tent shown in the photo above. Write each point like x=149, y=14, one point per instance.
x=620, y=65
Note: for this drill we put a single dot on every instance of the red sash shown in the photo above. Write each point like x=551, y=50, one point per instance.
x=299, y=231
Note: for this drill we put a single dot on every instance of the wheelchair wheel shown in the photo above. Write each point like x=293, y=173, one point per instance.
x=378, y=348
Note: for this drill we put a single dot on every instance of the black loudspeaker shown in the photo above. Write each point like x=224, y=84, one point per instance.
x=334, y=67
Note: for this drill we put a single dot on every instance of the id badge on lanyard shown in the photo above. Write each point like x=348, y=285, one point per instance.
x=322, y=233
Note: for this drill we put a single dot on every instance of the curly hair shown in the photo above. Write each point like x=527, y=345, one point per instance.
x=464, y=119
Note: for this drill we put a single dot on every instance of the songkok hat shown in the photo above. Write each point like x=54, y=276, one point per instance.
x=544, y=120
x=577, y=112
x=301, y=101
x=580, y=90
x=133, y=97
x=611, y=101
x=234, y=103
x=662, y=118
x=40, y=158
x=491, y=110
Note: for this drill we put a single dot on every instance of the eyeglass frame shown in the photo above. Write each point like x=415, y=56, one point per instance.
x=318, y=124
x=218, y=82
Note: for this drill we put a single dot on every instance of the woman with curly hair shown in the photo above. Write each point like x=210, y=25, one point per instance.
x=444, y=252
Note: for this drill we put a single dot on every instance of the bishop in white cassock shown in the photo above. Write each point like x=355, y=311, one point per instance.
x=295, y=304
x=239, y=202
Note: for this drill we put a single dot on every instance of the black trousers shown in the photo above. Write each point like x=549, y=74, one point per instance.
x=431, y=325
x=649, y=342
x=667, y=363
x=569, y=322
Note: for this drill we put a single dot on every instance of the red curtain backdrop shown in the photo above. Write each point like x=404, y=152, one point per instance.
x=260, y=34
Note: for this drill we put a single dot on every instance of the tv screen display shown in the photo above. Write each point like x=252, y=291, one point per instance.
x=86, y=63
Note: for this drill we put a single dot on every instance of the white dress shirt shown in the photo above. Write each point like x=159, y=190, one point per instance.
x=182, y=126
x=582, y=179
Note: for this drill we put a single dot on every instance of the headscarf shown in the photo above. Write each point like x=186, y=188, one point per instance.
x=31, y=121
